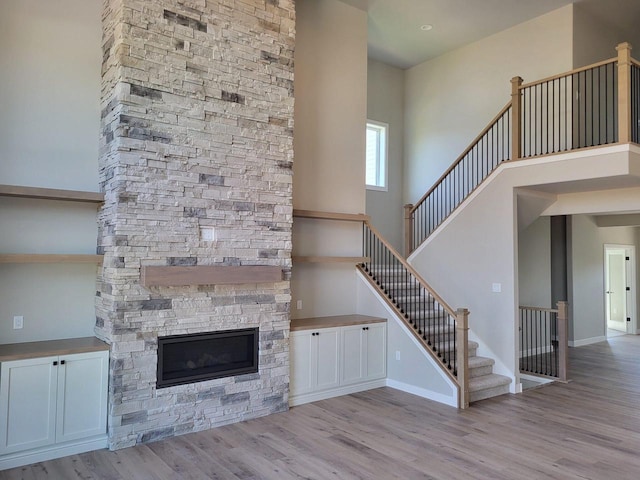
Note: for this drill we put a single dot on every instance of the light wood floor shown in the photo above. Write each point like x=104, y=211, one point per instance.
x=588, y=429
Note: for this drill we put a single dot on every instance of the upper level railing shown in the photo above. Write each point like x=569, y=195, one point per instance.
x=488, y=150
x=569, y=111
x=587, y=107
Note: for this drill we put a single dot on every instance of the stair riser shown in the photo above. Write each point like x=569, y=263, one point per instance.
x=480, y=371
x=488, y=393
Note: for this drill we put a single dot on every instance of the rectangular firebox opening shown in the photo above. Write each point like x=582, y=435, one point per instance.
x=205, y=356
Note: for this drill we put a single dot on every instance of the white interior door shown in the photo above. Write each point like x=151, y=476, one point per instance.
x=616, y=288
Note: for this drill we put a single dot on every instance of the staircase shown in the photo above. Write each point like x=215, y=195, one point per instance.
x=432, y=322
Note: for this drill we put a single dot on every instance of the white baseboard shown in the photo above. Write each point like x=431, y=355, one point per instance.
x=587, y=341
x=424, y=393
x=295, y=400
x=18, y=459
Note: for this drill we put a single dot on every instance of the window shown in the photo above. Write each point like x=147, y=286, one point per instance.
x=376, y=170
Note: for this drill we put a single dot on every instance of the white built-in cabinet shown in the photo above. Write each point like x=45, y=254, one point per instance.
x=52, y=405
x=315, y=360
x=364, y=353
x=334, y=356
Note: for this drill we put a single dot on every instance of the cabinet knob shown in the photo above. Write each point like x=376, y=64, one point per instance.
x=62, y=362
x=55, y=363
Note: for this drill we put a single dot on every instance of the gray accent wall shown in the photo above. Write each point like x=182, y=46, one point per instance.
x=50, y=60
x=385, y=103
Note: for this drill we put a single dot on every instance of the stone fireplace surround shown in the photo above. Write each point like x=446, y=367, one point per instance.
x=197, y=131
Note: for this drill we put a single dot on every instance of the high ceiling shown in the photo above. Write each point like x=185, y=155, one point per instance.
x=396, y=36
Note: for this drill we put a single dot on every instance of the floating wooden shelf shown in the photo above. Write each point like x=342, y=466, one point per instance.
x=51, y=194
x=319, y=259
x=152, y=276
x=347, y=217
x=49, y=258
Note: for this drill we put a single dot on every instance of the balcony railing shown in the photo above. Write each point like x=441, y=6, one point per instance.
x=587, y=107
x=543, y=335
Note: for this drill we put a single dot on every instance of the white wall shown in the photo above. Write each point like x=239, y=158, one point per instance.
x=586, y=293
x=329, y=145
x=534, y=264
x=50, y=59
x=415, y=372
x=385, y=103
x=50, y=55
x=593, y=40
x=450, y=99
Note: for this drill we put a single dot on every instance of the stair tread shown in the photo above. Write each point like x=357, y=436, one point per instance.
x=486, y=382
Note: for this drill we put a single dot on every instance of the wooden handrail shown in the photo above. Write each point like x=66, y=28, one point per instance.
x=539, y=309
x=411, y=270
x=566, y=74
x=461, y=157
x=635, y=62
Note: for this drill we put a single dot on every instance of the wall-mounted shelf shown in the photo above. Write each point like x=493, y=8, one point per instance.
x=51, y=194
x=321, y=259
x=49, y=258
x=347, y=217
x=152, y=276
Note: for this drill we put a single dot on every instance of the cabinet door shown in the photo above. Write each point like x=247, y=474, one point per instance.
x=353, y=358
x=376, y=351
x=300, y=360
x=27, y=403
x=328, y=358
x=82, y=396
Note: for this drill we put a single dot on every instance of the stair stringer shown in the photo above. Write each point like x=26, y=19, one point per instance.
x=416, y=372
x=475, y=248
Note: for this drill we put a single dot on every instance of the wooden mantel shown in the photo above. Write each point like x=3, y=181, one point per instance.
x=162, y=276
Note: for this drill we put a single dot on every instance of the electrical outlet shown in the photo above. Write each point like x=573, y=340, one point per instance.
x=496, y=287
x=299, y=304
x=207, y=234
x=18, y=322
x=397, y=354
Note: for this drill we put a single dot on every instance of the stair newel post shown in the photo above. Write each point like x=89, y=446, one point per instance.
x=408, y=229
x=563, y=340
x=516, y=120
x=624, y=92
x=462, y=356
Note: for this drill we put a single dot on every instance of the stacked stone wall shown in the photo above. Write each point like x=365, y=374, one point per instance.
x=197, y=131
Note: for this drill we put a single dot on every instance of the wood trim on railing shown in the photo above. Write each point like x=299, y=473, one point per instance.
x=346, y=217
x=462, y=356
x=461, y=157
x=624, y=92
x=635, y=62
x=563, y=341
x=516, y=118
x=539, y=309
x=566, y=74
x=408, y=229
x=411, y=270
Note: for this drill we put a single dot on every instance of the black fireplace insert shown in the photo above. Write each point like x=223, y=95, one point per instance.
x=204, y=356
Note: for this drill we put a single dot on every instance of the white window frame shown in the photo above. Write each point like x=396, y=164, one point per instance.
x=383, y=157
